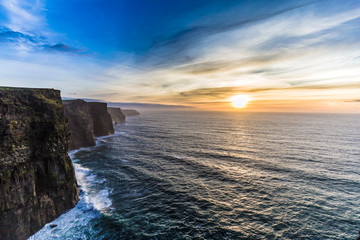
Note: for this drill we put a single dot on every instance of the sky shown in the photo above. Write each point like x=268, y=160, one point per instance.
x=287, y=56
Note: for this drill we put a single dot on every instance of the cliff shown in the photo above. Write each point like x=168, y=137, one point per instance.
x=117, y=116
x=130, y=112
x=102, y=120
x=37, y=180
x=81, y=124
x=87, y=120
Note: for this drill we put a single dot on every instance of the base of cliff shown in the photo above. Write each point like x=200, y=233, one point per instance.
x=37, y=179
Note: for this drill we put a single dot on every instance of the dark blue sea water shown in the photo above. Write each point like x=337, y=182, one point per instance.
x=203, y=175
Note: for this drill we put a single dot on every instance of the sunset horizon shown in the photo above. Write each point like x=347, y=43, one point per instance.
x=179, y=119
x=286, y=56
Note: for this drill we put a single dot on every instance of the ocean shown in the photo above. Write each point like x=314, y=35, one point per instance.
x=216, y=175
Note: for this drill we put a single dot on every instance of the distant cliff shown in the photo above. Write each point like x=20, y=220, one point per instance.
x=117, y=116
x=81, y=124
x=87, y=120
x=102, y=120
x=130, y=112
x=37, y=180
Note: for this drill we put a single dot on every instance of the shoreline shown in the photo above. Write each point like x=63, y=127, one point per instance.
x=90, y=205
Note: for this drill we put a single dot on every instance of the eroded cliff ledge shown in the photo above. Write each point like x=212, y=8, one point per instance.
x=87, y=120
x=81, y=124
x=37, y=180
x=130, y=112
x=117, y=116
x=102, y=120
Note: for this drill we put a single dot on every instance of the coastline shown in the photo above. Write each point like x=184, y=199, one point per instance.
x=38, y=180
x=140, y=178
x=90, y=123
x=90, y=206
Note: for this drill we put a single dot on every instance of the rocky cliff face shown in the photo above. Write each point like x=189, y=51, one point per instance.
x=117, y=116
x=37, y=180
x=87, y=120
x=102, y=120
x=81, y=124
x=130, y=112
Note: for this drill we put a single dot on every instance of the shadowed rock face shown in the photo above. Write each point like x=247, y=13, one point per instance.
x=117, y=116
x=81, y=124
x=130, y=112
x=102, y=120
x=37, y=180
x=87, y=120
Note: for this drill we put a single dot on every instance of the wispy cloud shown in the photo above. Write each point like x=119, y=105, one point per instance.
x=302, y=55
x=64, y=48
x=25, y=42
x=175, y=47
x=284, y=50
x=24, y=15
x=16, y=36
x=26, y=28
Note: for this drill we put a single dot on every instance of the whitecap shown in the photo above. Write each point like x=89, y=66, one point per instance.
x=93, y=203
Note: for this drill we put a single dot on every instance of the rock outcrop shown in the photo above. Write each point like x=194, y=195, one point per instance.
x=102, y=120
x=81, y=124
x=117, y=116
x=37, y=180
x=87, y=120
x=130, y=112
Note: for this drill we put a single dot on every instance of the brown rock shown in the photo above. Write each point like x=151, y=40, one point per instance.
x=102, y=120
x=130, y=112
x=117, y=116
x=37, y=180
x=81, y=124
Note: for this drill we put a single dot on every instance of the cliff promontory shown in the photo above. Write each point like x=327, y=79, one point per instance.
x=87, y=120
x=81, y=124
x=102, y=120
x=37, y=180
x=130, y=112
x=117, y=116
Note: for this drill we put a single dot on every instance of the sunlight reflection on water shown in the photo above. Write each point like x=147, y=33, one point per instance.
x=190, y=175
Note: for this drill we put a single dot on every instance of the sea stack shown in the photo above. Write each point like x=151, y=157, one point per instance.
x=117, y=116
x=37, y=179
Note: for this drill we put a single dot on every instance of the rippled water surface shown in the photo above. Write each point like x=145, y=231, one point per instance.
x=201, y=175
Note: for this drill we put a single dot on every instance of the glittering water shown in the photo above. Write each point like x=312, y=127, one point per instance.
x=198, y=175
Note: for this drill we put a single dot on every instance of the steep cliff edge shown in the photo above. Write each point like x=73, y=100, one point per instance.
x=37, y=180
x=102, y=120
x=81, y=124
x=130, y=112
x=117, y=116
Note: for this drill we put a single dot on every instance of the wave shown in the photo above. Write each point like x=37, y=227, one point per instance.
x=92, y=205
x=98, y=199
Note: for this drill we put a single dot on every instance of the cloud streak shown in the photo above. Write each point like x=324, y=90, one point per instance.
x=26, y=28
x=174, y=47
x=30, y=43
x=24, y=16
x=59, y=47
x=282, y=50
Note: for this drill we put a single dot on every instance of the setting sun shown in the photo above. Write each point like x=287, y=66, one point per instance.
x=239, y=101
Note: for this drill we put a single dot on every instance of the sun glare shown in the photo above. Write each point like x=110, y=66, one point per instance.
x=239, y=101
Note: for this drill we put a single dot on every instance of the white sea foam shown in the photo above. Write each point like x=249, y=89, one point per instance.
x=103, y=139
x=101, y=200
x=92, y=204
x=76, y=218
x=98, y=199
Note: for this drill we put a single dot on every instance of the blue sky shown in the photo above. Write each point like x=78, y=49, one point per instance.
x=299, y=55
